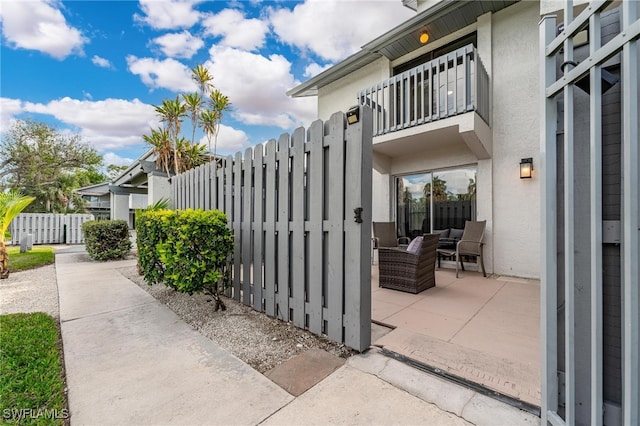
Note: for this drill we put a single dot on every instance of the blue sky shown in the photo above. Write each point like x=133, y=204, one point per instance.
x=98, y=67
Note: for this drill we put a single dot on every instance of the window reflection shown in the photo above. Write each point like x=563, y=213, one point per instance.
x=435, y=200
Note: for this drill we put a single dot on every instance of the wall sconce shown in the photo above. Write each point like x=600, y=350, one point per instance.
x=526, y=168
x=353, y=115
x=424, y=37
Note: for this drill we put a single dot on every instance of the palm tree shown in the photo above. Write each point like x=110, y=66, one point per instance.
x=202, y=78
x=439, y=189
x=218, y=104
x=11, y=204
x=171, y=113
x=159, y=140
x=193, y=102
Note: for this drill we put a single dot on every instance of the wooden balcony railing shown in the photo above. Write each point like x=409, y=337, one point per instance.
x=452, y=84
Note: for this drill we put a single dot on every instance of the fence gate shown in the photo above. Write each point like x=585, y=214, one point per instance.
x=300, y=209
x=49, y=228
x=589, y=152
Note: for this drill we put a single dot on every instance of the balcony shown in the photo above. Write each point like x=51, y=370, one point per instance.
x=455, y=85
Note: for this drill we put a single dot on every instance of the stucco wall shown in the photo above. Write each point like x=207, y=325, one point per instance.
x=342, y=94
x=515, y=124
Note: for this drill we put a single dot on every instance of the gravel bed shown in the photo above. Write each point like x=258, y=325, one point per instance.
x=255, y=338
x=33, y=290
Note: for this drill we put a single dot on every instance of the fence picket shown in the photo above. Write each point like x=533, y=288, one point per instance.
x=297, y=260
x=282, y=290
x=315, y=193
x=237, y=221
x=334, y=170
x=270, y=228
x=258, y=224
x=247, y=168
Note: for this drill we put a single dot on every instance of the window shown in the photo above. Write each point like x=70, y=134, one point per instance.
x=435, y=200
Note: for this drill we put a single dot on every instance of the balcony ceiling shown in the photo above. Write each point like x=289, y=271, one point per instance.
x=440, y=20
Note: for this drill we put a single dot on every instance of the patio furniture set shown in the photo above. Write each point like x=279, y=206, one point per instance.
x=409, y=265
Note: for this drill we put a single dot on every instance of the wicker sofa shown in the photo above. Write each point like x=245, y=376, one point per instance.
x=409, y=271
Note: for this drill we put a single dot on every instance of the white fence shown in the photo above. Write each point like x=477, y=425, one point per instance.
x=300, y=209
x=49, y=228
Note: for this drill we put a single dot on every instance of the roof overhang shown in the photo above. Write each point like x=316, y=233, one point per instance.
x=443, y=18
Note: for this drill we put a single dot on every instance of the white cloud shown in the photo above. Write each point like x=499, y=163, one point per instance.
x=167, y=74
x=334, y=29
x=168, y=14
x=257, y=85
x=115, y=159
x=230, y=141
x=9, y=108
x=236, y=30
x=107, y=124
x=179, y=45
x=39, y=25
x=314, y=69
x=101, y=62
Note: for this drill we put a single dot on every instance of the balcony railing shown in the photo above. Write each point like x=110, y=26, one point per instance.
x=452, y=84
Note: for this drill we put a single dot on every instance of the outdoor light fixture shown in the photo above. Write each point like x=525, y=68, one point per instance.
x=353, y=115
x=526, y=168
x=424, y=37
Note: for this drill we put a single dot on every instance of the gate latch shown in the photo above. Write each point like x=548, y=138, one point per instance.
x=357, y=214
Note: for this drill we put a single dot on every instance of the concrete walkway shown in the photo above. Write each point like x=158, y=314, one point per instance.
x=131, y=360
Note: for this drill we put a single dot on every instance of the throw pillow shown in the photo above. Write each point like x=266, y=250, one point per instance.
x=414, y=246
x=456, y=234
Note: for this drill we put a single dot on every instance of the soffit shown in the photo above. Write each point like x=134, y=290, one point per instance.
x=440, y=20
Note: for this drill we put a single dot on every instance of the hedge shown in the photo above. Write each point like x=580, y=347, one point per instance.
x=107, y=239
x=188, y=250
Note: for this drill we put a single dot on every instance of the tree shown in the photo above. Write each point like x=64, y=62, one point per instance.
x=11, y=204
x=114, y=171
x=47, y=164
x=439, y=189
x=174, y=153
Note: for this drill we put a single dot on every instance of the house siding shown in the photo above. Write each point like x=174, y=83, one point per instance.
x=516, y=202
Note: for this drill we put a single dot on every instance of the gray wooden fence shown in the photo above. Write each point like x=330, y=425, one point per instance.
x=300, y=209
x=49, y=228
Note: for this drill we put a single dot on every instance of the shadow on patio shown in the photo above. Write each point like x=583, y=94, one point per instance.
x=482, y=330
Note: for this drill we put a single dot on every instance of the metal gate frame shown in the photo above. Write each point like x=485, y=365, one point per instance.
x=626, y=43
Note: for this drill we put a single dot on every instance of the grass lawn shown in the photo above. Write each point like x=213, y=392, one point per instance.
x=39, y=256
x=31, y=375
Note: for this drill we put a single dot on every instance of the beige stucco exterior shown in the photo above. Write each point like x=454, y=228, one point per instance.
x=507, y=44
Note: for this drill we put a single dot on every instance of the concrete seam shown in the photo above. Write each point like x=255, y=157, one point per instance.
x=465, y=406
x=474, y=315
x=107, y=312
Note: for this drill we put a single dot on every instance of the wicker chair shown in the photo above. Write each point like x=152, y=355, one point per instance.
x=469, y=245
x=406, y=271
x=385, y=234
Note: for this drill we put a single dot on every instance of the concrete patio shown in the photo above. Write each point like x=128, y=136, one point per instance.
x=482, y=330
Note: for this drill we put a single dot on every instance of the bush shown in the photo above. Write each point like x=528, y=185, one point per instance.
x=189, y=250
x=107, y=239
x=152, y=227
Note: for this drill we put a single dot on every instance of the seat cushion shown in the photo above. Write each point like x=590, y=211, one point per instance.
x=455, y=233
x=444, y=233
x=415, y=245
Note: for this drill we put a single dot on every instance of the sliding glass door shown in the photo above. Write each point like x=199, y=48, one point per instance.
x=435, y=200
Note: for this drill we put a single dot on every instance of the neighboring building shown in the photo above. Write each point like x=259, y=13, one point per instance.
x=97, y=200
x=453, y=118
x=138, y=187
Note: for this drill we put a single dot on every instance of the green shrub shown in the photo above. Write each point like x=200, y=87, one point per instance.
x=107, y=239
x=189, y=250
x=152, y=227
